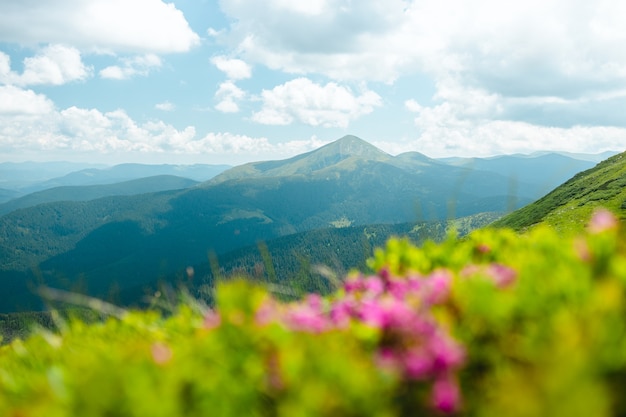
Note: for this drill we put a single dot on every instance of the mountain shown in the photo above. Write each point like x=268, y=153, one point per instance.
x=569, y=206
x=595, y=158
x=7, y=195
x=339, y=155
x=545, y=171
x=128, y=241
x=92, y=192
x=127, y=172
x=19, y=175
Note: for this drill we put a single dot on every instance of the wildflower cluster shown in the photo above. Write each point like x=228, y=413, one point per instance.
x=411, y=342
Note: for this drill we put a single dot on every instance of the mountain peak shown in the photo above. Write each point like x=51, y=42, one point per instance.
x=350, y=145
x=341, y=154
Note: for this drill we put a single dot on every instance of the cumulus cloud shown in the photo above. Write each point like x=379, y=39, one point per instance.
x=138, y=26
x=493, y=42
x=557, y=63
x=139, y=65
x=165, y=106
x=304, y=101
x=15, y=101
x=228, y=95
x=30, y=123
x=52, y=65
x=442, y=132
x=235, y=69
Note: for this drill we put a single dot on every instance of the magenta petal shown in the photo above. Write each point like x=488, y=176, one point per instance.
x=445, y=394
x=417, y=364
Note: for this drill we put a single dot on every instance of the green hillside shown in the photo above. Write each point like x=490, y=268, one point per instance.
x=300, y=262
x=568, y=206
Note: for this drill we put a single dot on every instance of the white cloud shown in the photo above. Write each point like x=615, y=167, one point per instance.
x=5, y=67
x=29, y=124
x=553, y=63
x=228, y=95
x=139, y=26
x=339, y=38
x=139, y=65
x=304, y=101
x=496, y=41
x=441, y=132
x=235, y=69
x=413, y=106
x=165, y=106
x=52, y=65
x=15, y=101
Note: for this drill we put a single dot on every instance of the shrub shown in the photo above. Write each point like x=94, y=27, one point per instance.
x=494, y=324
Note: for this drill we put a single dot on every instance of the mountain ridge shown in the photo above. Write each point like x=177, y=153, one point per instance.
x=570, y=205
x=91, y=192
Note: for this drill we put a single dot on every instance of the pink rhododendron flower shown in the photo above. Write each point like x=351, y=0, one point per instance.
x=341, y=312
x=267, y=313
x=161, y=354
x=372, y=313
x=438, y=287
x=445, y=394
x=418, y=364
x=352, y=285
x=582, y=250
x=602, y=220
x=502, y=275
x=373, y=286
x=388, y=359
x=483, y=248
x=447, y=354
x=305, y=318
x=314, y=301
x=212, y=320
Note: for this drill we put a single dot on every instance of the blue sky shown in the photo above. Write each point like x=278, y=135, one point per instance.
x=232, y=81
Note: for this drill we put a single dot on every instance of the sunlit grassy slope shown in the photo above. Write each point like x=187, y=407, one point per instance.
x=568, y=206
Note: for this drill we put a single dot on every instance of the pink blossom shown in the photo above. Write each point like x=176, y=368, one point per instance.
x=352, y=285
x=438, y=287
x=266, y=313
x=305, y=318
x=483, y=248
x=341, y=312
x=470, y=270
x=445, y=394
x=314, y=301
x=372, y=313
x=602, y=220
x=502, y=275
x=418, y=364
x=447, y=354
x=161, y=353
x=582, y=250
x=388, y=359
x=402, y=288
x=373, y=286
x=212, y=320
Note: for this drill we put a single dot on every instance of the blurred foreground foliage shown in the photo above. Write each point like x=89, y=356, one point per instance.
x=494, y=324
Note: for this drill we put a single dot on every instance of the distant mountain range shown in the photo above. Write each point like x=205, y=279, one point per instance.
x=569, y=206
x=92, y=192
x=101, y=238
x=19, y=179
